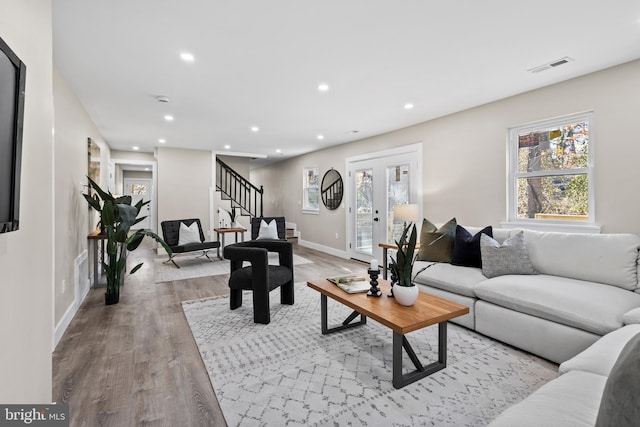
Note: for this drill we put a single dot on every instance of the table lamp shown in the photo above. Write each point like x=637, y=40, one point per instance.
x=405, y=213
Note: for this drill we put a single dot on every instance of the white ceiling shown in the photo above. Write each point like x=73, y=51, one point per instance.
x=258, y=63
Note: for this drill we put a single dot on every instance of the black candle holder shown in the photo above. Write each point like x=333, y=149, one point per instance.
x=374, y=291
x=394, y=280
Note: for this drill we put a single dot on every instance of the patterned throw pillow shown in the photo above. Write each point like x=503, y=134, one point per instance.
x=466, y=248
x=436, y=244
x=511, y=257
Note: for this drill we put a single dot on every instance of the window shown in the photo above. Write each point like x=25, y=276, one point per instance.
x=311, y=190
x=551, y=164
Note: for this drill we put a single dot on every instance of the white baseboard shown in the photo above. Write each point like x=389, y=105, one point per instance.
x=82, y=284
x=322, y=248
x=64, y=323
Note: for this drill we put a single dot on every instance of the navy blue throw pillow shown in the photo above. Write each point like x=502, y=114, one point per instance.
x=466, y=247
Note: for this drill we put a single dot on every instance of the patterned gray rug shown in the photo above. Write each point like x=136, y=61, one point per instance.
x=191, y=266
x=287, y=373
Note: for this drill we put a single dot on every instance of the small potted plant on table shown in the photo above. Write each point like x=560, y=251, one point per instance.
x=404, y=290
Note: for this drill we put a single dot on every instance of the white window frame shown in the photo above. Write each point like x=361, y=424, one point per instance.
x=305, y=208
x=514, y=175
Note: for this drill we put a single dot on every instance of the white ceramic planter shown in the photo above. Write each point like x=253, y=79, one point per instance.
x=405, y=295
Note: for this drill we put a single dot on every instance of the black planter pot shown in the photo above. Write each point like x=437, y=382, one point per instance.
x=110, y=299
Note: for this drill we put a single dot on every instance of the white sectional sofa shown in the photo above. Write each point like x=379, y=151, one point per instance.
x=598, y=387
x=586, y=286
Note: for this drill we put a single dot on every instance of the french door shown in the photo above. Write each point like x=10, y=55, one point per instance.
x=377, y=183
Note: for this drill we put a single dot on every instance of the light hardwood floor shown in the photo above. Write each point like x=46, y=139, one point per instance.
x=136, y=363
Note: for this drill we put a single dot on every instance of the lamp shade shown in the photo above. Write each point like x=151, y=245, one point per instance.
x=406, y=213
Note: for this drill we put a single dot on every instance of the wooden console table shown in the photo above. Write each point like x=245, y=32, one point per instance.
x=94, y=237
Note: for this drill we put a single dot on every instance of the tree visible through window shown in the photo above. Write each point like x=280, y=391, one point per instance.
x=311, y=190
x=551, y=169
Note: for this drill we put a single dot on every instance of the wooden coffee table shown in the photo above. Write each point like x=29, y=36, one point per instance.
x=427, y=310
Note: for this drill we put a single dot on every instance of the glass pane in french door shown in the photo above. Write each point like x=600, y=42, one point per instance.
x=398, y=193
x=364, y=211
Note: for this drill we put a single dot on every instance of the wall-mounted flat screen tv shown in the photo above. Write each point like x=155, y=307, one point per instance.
x=12, y=85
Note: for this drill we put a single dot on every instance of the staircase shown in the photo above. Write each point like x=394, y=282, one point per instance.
x=242, y=194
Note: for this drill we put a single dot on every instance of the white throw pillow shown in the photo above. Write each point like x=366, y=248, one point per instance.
x=268, y=231
x=189, y=234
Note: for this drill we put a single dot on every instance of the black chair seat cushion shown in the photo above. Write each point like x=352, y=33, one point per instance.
x=195, y=247
x=278, y=276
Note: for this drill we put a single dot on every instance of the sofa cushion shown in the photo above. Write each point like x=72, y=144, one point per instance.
x=466, y=247
x=452, y=278
x=510, y=257
x=632, y=317
x=600, y=357
x=619, y=405
x=593, y=307
x=571, y=400
x=436, y=244
x=603, y=258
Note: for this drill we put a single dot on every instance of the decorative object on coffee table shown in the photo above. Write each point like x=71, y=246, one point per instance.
x=374, y=272
x=403, y=266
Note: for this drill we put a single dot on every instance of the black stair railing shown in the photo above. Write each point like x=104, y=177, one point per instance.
x=242, y=193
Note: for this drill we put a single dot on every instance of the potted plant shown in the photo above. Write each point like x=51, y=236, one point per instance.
x=403, y=288
x=117, y=216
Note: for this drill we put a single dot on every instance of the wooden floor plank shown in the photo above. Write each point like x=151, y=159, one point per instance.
x=136, y=363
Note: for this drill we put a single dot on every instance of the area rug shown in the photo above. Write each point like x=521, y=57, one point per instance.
x=287, y=373
x=191, y=266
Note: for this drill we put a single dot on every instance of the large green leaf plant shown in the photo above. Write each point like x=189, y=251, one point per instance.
x=117, y=216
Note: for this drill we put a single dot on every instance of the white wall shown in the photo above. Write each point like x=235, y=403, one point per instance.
x=184, y=181
x=27, y=255
x=465, y=157
x=72, y=224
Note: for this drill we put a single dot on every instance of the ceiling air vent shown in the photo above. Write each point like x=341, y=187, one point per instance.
x=550, y=65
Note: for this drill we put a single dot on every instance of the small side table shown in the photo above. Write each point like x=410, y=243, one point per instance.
x=223, y=231
x=385, y=259
x=94, y=237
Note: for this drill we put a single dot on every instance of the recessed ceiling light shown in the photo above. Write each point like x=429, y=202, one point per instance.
x=136, y=148
x=320, y=136
x=226, y=147
x=323, y=87
x=146, y=169
x=168, y=118
x=187, y=57
x=255, y=128
x=162, y=140
x=278, y=151
x=408, y=106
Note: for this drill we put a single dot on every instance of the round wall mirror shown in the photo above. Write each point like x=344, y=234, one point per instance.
x=332, y=189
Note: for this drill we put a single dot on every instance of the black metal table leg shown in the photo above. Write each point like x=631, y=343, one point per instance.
x=346, y=324
x=400, y=341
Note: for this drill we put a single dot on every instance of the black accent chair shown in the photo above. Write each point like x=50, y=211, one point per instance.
x=280, y=225
x=260, y=277
x=171, y=235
